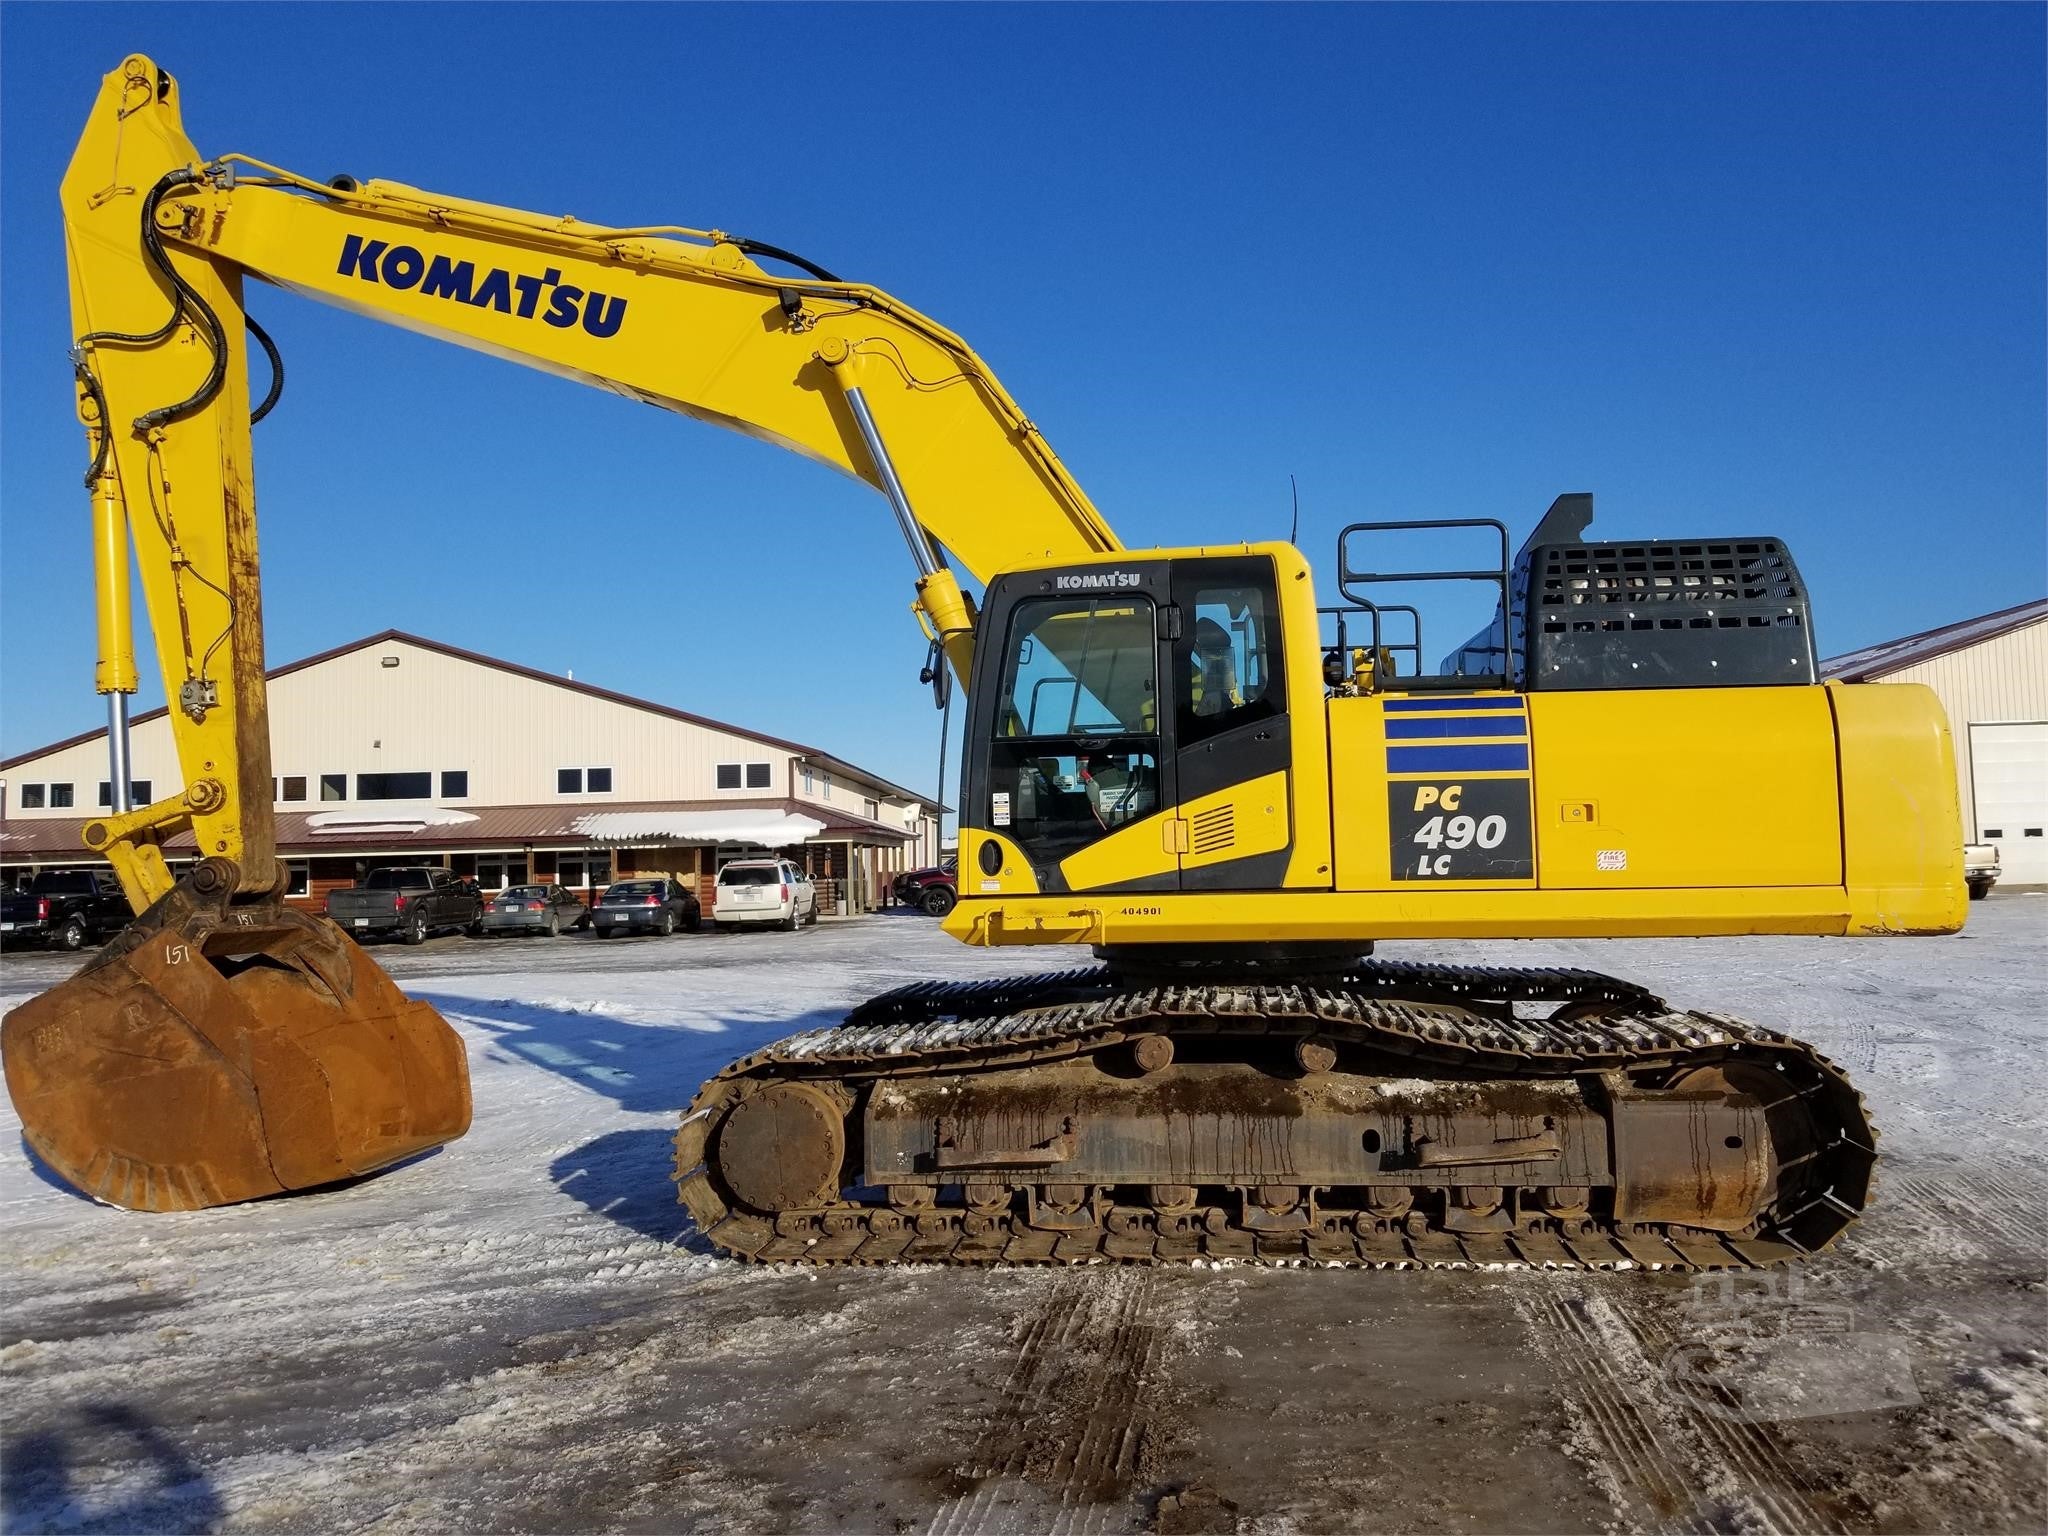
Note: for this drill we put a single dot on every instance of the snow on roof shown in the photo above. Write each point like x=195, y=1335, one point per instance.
x=1896, y=655
x=389, y=818
x=771, y=829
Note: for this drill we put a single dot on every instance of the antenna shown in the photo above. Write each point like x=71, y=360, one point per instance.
x=1294, y=527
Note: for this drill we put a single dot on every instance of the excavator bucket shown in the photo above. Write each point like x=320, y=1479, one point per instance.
x=219, y=1051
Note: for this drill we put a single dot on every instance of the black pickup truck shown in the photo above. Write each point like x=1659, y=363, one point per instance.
x=68, y=908
x=410, y=903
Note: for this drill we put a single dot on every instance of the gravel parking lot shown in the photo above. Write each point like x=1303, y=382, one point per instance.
x=522, y=1332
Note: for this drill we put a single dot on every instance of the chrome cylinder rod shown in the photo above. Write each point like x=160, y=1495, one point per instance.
x=117, y=753
x=913, y=531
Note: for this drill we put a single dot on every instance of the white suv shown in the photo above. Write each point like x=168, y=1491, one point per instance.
x=764, y=891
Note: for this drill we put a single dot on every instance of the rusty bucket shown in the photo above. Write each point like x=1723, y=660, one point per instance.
x=221, y=1050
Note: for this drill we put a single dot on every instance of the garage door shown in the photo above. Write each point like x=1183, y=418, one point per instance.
x=2009, y=774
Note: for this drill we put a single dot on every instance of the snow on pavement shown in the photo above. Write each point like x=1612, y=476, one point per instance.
x=522, y=1331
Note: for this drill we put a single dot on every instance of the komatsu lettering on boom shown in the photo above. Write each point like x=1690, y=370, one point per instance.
x=405, y=267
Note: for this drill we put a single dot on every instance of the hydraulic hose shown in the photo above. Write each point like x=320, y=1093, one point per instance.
x=777, y=253
x=276, y=368
x=184, y=297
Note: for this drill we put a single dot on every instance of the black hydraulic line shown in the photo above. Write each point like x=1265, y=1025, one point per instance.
x=149, y=204
x=105, y=427
x=777, y=253
x=276, y=368
x=184, y=297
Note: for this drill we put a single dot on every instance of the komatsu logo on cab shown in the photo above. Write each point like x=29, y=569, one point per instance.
x=509, y=293
x=1096, y=581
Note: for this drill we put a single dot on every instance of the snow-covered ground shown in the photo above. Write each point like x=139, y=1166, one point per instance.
x=522, y=1332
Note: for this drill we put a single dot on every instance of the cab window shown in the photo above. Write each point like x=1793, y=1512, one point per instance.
x=1076, y=754
x=1228, y=658
x=1081, y=666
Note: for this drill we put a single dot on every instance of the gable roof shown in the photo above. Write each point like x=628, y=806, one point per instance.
x=1910, y=651
x=532, y=675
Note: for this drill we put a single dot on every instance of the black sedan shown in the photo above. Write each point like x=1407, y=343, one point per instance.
x=646, y=906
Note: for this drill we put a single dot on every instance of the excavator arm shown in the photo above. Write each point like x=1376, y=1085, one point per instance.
x=160, y=240
x=227, y=1046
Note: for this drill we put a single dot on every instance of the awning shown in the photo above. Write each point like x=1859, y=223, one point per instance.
x=388, y=818
x=770, y=829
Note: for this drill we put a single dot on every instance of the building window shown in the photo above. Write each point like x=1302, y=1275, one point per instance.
x=760, y=775
x=872, y=809
x=31, y=797
x=825, y=783
x=333, y=786
x=60, y=797
x=455, y=784
x=294, y=787
x=568, y=781
x=301, y=877
x=138, y=792
x=598, y=780
x=728, y=776
x=576, y=870
x=749, y=775
x=495, y=871
x=810, y=780
x=394, y=786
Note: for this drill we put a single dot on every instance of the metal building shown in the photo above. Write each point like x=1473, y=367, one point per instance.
x=1991, y=675
x=399, y=749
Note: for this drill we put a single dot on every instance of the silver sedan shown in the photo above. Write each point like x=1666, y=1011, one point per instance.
x=544, y=909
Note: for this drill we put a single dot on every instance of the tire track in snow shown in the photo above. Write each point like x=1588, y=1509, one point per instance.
x=1685, y=1468
x=1979, y=1208
x=1073, y=1411
x=1744, y=1444
x=1642, y=1471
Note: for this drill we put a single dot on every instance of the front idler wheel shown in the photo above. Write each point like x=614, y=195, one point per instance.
x=781, y=1149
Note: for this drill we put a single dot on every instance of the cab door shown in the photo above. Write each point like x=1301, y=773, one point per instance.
x=1232, y=744
x=1069, y=763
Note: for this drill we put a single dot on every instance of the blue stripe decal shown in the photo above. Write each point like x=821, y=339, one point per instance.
x=1446, y=759
x=1454, y=725
x=1405, y=706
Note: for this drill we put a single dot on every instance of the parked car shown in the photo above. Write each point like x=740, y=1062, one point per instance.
x=410, y=902
x=647, y=906
x=1980, y=868
x=67, y=908
x=544, y=909
x=914, y=887
x=756, y=891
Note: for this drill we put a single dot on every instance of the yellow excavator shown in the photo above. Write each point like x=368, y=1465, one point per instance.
x=1177, y=759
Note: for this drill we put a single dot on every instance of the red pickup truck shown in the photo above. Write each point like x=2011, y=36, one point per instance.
x=935, y=888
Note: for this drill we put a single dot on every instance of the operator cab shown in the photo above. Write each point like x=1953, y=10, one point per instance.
x=1108, y=694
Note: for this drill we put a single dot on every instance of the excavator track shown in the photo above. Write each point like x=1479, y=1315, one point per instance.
x=799, y=1125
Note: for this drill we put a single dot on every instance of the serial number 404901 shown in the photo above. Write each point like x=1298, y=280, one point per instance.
x=1138, y=911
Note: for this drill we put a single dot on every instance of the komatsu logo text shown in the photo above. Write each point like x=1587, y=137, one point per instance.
x=1096, y=581
x=546, y=297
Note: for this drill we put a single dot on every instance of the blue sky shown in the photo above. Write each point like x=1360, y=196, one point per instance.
x=1734, y=269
